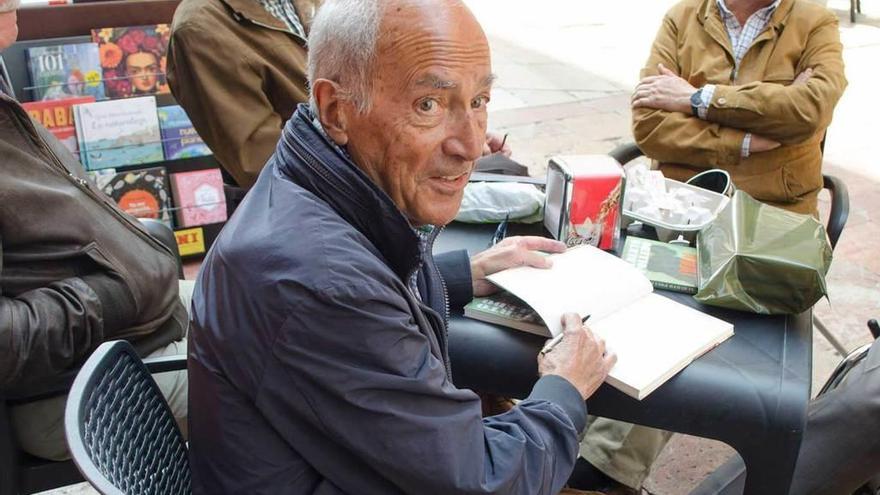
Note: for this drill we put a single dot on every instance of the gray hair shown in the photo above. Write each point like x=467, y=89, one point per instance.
x=342, y=48
x=9, y=5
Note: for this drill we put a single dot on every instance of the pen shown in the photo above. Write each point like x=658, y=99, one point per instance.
x=555, y=340
x=503, y=140
x=501, y=231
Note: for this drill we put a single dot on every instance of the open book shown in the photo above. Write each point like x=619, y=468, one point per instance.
x=654, y=337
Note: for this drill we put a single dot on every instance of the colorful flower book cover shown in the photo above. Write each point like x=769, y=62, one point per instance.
x=133, y=59
x=65, y=71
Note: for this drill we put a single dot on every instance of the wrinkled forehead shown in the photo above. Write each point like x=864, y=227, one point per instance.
x=438, y=40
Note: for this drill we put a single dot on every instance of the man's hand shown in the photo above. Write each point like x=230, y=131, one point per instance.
x=666, y=91
x=513, y=251
x=580, y=358
x=495, y=143
x=760, y=143
x=802, y=78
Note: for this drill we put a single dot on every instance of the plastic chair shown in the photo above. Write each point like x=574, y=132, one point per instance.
x=120, y=431
x=21, y=473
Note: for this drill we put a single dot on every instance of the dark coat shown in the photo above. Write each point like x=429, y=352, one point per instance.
x=75, y=270
x=315, y=370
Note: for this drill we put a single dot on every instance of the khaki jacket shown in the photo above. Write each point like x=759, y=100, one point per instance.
x=75, y=270
x=239, y=74
x=694, y=42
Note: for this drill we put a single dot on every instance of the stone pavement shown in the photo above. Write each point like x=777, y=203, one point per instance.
x=566, y=69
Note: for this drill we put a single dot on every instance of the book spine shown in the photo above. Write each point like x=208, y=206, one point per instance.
x=684, y=289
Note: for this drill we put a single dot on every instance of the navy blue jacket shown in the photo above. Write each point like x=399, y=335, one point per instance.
x=314, y=370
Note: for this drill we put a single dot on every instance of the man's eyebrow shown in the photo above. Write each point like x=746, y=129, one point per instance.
x=436, y=82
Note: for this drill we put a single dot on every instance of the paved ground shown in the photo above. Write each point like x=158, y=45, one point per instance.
x=566, y=69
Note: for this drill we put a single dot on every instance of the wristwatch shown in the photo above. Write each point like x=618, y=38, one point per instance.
x=696, y=102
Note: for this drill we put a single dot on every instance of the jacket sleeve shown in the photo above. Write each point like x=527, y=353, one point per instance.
x=224, y=98
x=455, y=268
x=48, y=329
x=676, y=137
x=789, y=113
x=373, y=367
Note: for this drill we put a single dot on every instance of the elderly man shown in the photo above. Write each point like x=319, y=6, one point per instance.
x=318, y=357
x=75, y=271
x=748, y=86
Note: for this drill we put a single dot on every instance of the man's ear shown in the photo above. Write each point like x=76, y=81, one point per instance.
x=331, y=110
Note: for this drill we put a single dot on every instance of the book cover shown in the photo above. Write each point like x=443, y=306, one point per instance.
x=179, y=137
x=668, y=266
x=118, y=133
x=653, y=336
x=199, y=197
x=65, y=71
x=140, y=193
x=506, y=309
x=133, y=59
x=58, y=117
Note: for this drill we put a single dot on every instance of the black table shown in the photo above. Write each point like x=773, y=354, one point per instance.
x=751, y=392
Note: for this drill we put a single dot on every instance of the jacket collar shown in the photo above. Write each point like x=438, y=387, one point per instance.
x=252, y=11
x=710, y=17
x=307, y=157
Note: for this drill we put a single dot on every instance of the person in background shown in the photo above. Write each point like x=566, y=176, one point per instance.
x=330, y=372
x=75, y=271
x=748, y=86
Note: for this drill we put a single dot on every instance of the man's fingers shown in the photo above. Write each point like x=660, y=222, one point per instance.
x=609, y=361
x=571, y=322
x=803, y=77
x=537, y=243
x=534, y=259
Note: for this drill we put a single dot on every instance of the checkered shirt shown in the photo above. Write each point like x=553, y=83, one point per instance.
x=741, y=37
x=283, y=11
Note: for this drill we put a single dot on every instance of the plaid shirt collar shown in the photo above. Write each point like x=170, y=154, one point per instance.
x=283, y=11
x=742, y=36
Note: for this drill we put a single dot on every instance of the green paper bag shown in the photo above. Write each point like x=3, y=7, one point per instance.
x=759, y=258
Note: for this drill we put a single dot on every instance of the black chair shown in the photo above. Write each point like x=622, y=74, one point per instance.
x=21, y=473
x=120, y=431
x=837, y=216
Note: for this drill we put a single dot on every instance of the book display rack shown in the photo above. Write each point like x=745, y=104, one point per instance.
x=92, y=73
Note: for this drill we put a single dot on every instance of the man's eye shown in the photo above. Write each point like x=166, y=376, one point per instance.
x=479, y=102
x=428, y=105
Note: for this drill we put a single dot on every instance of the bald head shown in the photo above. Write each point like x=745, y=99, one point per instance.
x=348, y=38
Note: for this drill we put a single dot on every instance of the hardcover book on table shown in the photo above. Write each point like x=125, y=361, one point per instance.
x=133, y=59
x=118, y=133
x=506, y=309
x=65, y=71
x=653, y=336
x=668, y=266
x=179, y=137
x=140, y=193
x=58, y=117
x=199, y=197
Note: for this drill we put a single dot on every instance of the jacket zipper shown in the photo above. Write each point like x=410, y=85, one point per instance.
x=84, y=185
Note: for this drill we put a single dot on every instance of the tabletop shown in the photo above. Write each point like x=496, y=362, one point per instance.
x=750, y=392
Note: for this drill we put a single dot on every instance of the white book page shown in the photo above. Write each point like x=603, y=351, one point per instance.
x=655, y=338
x=584, y=280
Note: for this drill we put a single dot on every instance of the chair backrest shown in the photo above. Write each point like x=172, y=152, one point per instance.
x=121, y=433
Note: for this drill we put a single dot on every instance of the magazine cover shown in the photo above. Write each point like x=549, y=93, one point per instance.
x=118, y=133
x=199, y=197
x=58, y=117
x=179, y=138
x=140, y=193
x=133, y=59
x=65, y=71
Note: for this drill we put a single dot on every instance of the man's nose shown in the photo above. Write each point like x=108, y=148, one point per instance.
x=465, y=138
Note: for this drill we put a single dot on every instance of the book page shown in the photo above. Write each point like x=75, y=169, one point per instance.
x=655, y=338
x=584, y=280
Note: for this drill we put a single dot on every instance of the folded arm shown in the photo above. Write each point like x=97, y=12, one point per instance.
x=793, y=113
